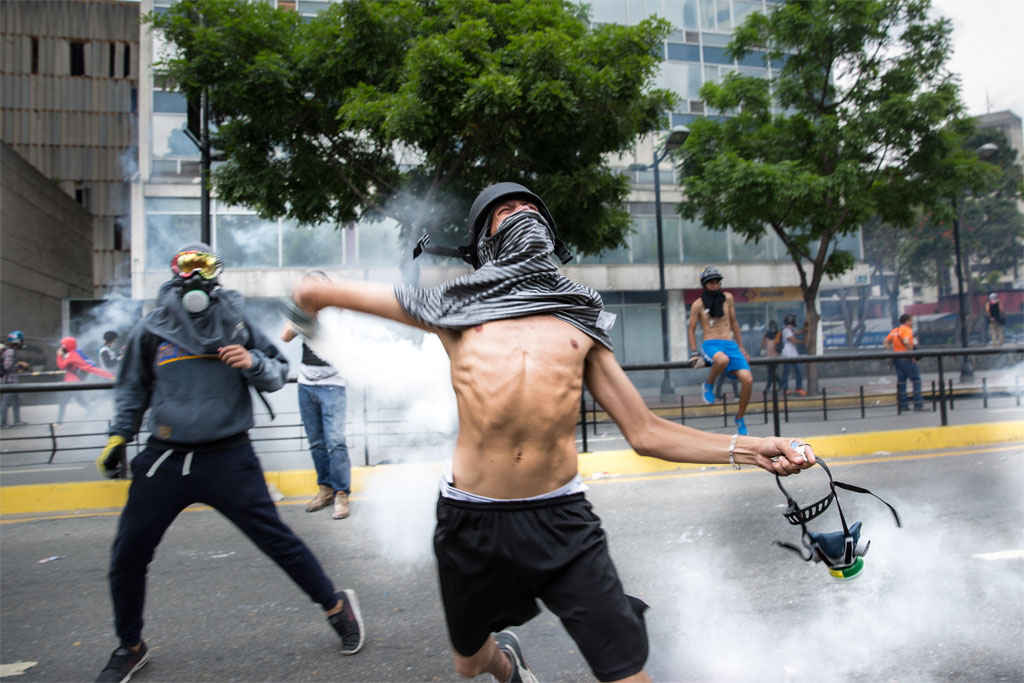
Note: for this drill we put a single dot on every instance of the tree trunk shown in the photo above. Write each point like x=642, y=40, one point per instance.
x=811, y=319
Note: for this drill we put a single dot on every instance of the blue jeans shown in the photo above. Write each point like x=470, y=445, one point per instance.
x=907, y=369
x=785, y=375
x=323, y=414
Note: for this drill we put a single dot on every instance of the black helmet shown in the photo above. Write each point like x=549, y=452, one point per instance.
x=790, y=319
x=479, y=215
x=109, y=336
x=708, y=274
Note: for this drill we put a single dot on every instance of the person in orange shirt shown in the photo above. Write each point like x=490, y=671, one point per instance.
x=901, y=340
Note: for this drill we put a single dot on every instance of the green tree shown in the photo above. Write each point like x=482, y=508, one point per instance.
x=406, y=109
x=849, y=129
x=991, y=226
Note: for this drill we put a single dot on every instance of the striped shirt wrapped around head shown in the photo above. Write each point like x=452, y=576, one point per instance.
x=517, y=278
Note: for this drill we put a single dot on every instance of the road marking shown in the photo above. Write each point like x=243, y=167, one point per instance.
x=55, y=468
x=1002, y=555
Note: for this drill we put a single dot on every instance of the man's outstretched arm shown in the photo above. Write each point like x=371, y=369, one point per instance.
x=653, y=436
x=375, y=298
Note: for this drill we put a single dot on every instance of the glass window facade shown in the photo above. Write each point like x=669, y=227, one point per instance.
x=244, y=240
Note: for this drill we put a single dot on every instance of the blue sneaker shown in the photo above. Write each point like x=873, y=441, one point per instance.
x=741, y=426
x=707, y=392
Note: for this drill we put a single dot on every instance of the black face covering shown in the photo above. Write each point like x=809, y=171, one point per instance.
x=714, y=302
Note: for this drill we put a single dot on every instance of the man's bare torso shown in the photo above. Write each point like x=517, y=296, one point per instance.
x=518, y=384
x=716, y=328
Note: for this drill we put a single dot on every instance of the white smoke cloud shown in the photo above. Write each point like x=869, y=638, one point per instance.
x=923, y=596
x=408, y=381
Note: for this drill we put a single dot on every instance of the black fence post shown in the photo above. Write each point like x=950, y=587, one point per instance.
x=943, y=417
x=53, y=443
x=785, y=406
x=862, y=402
x=984, y=392
x=766, y=407
x=824, y=404
x=775, y=409
x=583, y=418
x=682, y=409
x=952, y=398
x=366, y=431
x=725, y=408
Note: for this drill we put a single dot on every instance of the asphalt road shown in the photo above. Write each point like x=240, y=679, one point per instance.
x=940, y=600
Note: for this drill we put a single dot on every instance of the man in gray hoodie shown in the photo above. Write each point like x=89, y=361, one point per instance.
x=191, y=361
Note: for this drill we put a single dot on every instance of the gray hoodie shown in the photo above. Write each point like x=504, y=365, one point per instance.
x=171, y=366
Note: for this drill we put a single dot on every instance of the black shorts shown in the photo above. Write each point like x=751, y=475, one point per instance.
x=495, y=560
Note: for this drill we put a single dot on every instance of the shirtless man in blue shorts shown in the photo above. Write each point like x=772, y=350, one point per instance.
x=723, y=347
x=513, y=523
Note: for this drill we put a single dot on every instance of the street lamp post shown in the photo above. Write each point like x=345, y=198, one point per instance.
x=966, y=370
x=674, y=141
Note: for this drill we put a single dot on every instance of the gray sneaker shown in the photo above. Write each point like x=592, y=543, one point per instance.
x=349, y=623
x=509, y=644
x=123, y=663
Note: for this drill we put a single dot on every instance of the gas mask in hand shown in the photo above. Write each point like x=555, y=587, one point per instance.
x=841, y=551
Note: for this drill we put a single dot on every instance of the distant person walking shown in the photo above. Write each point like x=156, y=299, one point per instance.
x=109, y=354
x=11, y=368
x=77, y=367
x=790, y=338
x=322, y=406
x=996, y=319
x=901, y=340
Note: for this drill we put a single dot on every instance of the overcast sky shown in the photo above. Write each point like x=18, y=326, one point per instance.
x=987, y=48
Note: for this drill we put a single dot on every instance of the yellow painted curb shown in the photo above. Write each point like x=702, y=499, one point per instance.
x=829, y=446
x=95, y=495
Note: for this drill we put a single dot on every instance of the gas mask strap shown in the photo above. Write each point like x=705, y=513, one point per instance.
x=858, y=489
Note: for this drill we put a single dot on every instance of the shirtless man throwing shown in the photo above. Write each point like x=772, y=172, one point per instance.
x=513, y=524
x=722, y=347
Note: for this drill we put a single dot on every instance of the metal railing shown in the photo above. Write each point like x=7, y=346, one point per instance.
x=775, y=406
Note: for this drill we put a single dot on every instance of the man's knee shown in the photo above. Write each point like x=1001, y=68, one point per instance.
x=720, y=360
x=745, y=378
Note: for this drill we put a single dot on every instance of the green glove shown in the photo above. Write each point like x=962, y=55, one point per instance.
x=113, y=461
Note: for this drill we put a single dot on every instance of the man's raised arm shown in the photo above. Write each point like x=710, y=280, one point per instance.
x=656, y=437
x=375, y=298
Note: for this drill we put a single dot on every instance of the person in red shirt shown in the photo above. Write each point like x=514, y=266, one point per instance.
x=901, y=340
x=77, y=366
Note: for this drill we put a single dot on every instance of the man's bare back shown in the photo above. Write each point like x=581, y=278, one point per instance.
x=518, y=383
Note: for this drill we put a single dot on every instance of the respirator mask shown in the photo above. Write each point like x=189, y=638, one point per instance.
x=841, y=551
x=196, y=279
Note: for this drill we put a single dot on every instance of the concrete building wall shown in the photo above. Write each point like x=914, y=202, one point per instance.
x=68, y=101
x=45, y=250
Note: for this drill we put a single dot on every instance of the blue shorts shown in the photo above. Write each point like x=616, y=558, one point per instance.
x=737, y=361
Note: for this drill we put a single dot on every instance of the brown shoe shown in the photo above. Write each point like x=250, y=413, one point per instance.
x=321, y=500
x=801, y=392
x=340, y=505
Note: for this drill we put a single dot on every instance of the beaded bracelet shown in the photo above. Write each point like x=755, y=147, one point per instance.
x=732, y=451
